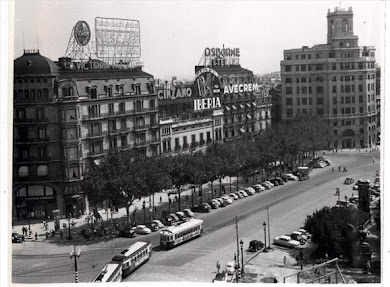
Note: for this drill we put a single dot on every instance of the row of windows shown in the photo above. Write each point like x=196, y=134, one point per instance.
x=188, y=231
x=25, y=154
x=24, y=171
x=328, y=67
x=24, y=135
x=166, y=144
x=334, y=79
x=232, y=132
x=95, y=110
x=20, y=113
x=109, y=91
x=333, y=54
x=319, y=90
x=31, y=80
x=31, y=94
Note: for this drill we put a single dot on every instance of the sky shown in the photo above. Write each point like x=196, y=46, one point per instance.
x=174, y=34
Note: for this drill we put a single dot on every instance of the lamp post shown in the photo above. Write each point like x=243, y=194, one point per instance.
x=69, y=234
x=265, y=236
x=346, y=198
x=169, y=204
x=76, y=255
x=143, y=207
x=269, y=232
x=193, y=191
x=29, y=218
x=338, y=193
x=242, y=256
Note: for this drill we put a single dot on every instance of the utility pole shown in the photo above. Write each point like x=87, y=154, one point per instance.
x=238, y=248
x=269, y=234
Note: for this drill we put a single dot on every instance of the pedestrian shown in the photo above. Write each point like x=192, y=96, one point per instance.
x=36, y=236
x=218, y=266
x=53, y=233
x=61, y=233
x=23, y=238
x=368, y=266
x=175, y=197
x=373, y=159
x=332, y=169
x=44, y=224
x=160, y=198
x=339, y=168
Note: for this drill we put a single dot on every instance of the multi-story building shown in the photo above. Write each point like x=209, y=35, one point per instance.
x=276, y=100
x=334, y=81
x=185, y=126
x=38, y=185
x=378, y=103
x=66, y=118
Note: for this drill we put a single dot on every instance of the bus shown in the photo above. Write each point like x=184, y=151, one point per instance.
x=133, y=257
x=180, y=233
x=111, y=272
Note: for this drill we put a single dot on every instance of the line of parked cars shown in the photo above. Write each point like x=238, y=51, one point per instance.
x=293, y=240
x=228, y=199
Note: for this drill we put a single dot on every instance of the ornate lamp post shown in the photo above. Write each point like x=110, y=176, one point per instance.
x=242, y=256
x=265, y=236
x=76, y=255
x=69, y=234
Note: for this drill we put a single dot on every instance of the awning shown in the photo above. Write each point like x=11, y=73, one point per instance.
x=97, y=162
x=248, y=116
x=234, y=107
x=248, y=104
x=242, y=130
x=254, y=104
x=227, y=108
x=242, y=106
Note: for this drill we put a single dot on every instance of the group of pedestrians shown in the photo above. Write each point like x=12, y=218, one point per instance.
x=344, y=169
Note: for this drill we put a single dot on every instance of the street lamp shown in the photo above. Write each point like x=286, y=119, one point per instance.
x=76, y=255
x=193, y=192
x=242, y=256
x=338, y=193
x=169, y=204
x=69, y=234
x=29, y=218
x=346, y=198
x=143, y=207
x=265, y=236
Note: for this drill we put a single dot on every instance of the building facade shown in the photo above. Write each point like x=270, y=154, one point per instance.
x=66, y=118
x=37, y=159
x=334, y=81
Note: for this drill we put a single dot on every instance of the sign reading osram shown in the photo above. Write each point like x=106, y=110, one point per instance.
x=241, y=88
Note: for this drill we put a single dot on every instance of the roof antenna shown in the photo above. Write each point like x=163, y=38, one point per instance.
x=38, y=41
x=24, y=48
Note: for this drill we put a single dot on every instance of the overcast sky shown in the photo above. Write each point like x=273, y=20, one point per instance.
x=175, y=33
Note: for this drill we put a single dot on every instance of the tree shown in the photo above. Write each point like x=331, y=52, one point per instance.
x=330, y=229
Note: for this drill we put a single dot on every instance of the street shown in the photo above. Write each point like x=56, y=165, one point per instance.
x=39, y=262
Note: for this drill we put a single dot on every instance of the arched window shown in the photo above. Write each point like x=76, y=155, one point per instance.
x=344, y=26
x=42, y=170
x=332, y=26
x=23, y=171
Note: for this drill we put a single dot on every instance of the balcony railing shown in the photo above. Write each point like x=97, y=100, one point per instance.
x=32, y=159
x=141, y=127
x=97, y=153
x=32, y=140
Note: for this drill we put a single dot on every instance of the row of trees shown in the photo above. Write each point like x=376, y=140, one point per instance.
x=122, y=177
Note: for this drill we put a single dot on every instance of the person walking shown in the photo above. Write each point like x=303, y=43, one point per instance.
x=339, y=168
x=160, y=199
x=36, y=236
x=44, y=224
x=61, y=233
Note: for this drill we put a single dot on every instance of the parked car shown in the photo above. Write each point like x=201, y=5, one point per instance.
x=174, y=217
x=284, y=177
x=280, y=180
x=181, y=216
x=244, y=194
x=158, y=223
x=128, y=233
x=233, y=196
x=298, y=236
x=250, y=191
x=265, y=185
x=290, y=176
x=188, y=213
x=152, y=226
x=258, y=187
x=274, y=182
x=239, y=194
x=270, y=183
x=16, y=238
x=305, y=232
x=319, y=164
x=142, y=229
x=255, y=245
x=227, y=199
x=349, y=180
x=230, y=267
x=214, y=204
x=221, y=277
x=221, y=202
x=204, y=207
x=286, y=241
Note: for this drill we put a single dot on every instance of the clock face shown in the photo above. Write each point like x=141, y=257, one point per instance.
x=82, y=33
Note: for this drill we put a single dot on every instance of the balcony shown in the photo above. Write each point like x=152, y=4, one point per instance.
x=178, y=147
x=95, y=135
x=141, y=127
x=31, y=140
x=31, y=121
x=21, y=160
x=141, y=144
x=185, y=146
x=96, y=153
x=144, y=110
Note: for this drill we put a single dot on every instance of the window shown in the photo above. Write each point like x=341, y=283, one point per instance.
x=113, y=142
x=108, y=91
x=347, y=88
x=92, y=92
x=309, y=90
x=23, y=171
x=297, y=68
x=111, y=109
x=335, y=132
x=360, y=99
x=72, y=153
x=304, y=101
x=288, y=80
x=177, y=143
x=320, y=101
x=303, y=68
x=335, y=112
x=288, y=101
x=71, y=133
x=152, y=104
x=122, y=108
x=304, y=90
x=303, y=80
x=320, y=89
x=288, y=90
x=298, y=101
x=333, y=67
x=334, y=89
x=289, y=112
x=287, y=68
x=42, y=170
x=41, y=132
x=347, y=100
x=208, y=136
x=21, y=114
x=185, y=143
x=73, y=172
x=334, y=100
x=298, y=90
x=193, y=139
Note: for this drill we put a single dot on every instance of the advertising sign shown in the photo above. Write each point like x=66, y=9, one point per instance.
x=173, y=92
x=209, y=86
x=82, y=33
x=117, y=38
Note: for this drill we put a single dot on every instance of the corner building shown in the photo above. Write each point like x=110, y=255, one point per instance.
x=67, y=118
x=335, y=81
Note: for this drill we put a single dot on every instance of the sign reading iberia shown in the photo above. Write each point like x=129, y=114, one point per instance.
x=208, y=84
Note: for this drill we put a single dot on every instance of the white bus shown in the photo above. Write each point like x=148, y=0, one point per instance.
x=133, y=257
x=180, y=233
x=111, y=272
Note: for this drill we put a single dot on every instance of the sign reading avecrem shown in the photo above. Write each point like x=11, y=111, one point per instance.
x=241, y=88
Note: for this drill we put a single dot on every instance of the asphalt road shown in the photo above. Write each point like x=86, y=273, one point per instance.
x=38, y=262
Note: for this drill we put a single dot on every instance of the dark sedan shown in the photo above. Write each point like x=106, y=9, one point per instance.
x=204, y=207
